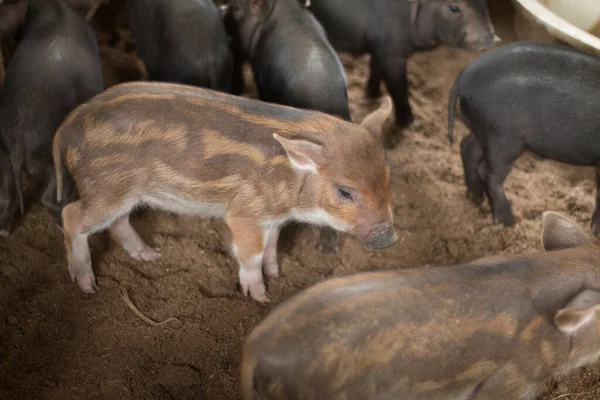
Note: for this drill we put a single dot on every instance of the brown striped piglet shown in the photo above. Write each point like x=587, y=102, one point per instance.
x=196, y=151
x=494, y=328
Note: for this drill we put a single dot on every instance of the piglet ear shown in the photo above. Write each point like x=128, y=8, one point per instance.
x=304, y=155
x=561, y=233
x=579, y=312
x=374, y=121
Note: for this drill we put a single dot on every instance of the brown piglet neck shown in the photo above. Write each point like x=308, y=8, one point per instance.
x=307, y=198
x=299, y=201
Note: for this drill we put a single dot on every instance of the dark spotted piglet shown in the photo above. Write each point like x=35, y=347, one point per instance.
x=182, y=41
x=494, y=328
x=392, y=30
x=526, y=96
x=196, y=151
x=55, y=67
x=293, y=63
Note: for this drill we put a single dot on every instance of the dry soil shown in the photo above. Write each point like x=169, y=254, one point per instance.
x=58, y=343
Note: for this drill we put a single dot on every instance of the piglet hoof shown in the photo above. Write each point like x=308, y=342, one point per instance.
x=475, y=198
x=506, y=220
x=405, y=121
x=271, y=270
x=85, y=280
x=146, y=254
x=257, y=291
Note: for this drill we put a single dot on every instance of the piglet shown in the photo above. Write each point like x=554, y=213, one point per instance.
x=56, y=66
x=493, y=328
x=526, y=96
x=393, y=30
x=196, y=151
x=182, y=41
x=292, y=62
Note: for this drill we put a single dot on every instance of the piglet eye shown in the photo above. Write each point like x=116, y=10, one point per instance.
x=344, y=194
x=454, y=9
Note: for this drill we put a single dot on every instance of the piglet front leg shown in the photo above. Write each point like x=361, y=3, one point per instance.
x=249, y=241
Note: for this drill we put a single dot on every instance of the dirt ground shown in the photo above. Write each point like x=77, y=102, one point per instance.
x=58, y=343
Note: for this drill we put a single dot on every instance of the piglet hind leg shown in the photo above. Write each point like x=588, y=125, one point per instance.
x=8, y=207
x=69, y=194
x=122, y=232
x=50, y=204
x=374, y=83
x=493, y=175
x=392, y=69
x=472, y=155
x=248, y=246
x=596, y=215
x=76, y=230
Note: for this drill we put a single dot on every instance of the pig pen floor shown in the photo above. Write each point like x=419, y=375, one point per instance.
x=58, y=343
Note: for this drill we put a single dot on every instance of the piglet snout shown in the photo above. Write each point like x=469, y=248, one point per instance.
x=481, y=39
x=381, y=237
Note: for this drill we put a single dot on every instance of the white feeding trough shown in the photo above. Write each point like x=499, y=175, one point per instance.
x=574, y=22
